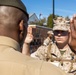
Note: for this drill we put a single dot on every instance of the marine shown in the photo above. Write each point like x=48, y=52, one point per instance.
x=59, y=53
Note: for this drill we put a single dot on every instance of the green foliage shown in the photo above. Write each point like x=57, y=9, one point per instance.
x=50, y=20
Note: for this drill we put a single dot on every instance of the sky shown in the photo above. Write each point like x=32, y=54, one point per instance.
x=45, y=7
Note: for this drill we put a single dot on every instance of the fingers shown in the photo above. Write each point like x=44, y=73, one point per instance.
x=29, y=37
x=73, y=26
x=73, y=23
x=74, y=16
x=29, y=30
x=72, y=41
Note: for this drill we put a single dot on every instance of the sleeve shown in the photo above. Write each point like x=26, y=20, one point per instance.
x=34, y=55
x=40, y=53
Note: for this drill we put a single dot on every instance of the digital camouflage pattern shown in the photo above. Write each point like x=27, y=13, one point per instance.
x=65, y=58
x=61, y=24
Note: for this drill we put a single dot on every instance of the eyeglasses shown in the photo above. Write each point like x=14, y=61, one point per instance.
x=62, y=33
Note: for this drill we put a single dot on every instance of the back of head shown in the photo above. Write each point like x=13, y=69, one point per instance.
x=11, y=14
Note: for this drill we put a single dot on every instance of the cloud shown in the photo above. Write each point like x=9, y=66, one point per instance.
x=64, y=11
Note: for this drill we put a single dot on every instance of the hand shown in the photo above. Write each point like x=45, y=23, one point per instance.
x=29, y=36
x=28, y=40
x=72, y=41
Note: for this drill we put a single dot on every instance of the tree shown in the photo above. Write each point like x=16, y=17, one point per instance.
x=50, y=20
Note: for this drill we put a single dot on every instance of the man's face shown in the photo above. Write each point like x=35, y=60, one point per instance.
x=61, y=36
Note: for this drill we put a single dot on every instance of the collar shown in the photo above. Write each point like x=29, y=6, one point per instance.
x=9, y=42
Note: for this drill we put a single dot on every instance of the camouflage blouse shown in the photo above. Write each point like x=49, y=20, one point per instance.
x=63, y=58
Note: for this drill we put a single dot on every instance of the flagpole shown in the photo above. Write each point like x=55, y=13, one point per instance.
x=53, y=9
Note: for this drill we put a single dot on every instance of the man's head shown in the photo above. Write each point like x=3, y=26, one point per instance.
x=61, y=30
x=13, y=19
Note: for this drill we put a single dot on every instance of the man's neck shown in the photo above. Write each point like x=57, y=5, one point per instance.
x=61, y=46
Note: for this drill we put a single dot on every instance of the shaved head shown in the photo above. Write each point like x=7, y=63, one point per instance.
x=10, y=18
x=10, y=15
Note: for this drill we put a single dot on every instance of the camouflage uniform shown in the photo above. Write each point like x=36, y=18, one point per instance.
x=65, y=58
x=41, y=53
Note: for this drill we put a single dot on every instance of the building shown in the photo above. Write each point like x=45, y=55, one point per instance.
x=39, y=33
x=33, y=18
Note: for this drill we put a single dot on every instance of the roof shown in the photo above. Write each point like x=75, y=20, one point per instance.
x=30, y=15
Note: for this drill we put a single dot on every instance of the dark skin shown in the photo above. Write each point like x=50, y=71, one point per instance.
x=12, y=22
x=72, y=41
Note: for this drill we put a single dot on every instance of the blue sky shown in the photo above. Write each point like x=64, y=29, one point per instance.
x=62, y=7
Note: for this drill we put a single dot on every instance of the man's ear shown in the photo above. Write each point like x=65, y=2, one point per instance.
x=21, y=25
x=21, y=29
